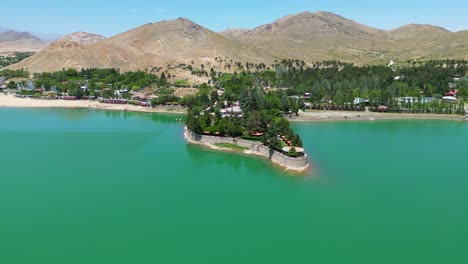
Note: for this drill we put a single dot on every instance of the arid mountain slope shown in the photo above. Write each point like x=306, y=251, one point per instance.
x=156, y=44
x=314, y=36
x=305, y=36
x=12, y=41
x=10, y=36
x=82, y=38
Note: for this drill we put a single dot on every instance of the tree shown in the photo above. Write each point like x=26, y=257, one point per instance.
x=214, y=97
x=255, y=122
x=292, y=152
x=193, y=124
x=163, y=80
x=296, y=140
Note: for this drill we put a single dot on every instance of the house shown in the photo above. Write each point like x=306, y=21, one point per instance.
x=452, y=85
x=452, y=93
x=359, y=101
x=413, y=100
x=2, y=80
x=383, y=108
x=30, y=86
x=120, y=92
x=232, y=111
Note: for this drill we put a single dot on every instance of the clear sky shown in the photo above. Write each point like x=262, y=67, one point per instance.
x=108, y=17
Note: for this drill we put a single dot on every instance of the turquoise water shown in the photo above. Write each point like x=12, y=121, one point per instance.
x=83, y=186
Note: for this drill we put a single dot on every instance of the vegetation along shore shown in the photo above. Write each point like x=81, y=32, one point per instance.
x=255, y=102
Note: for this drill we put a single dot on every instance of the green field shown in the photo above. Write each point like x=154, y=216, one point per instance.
x=231, y=146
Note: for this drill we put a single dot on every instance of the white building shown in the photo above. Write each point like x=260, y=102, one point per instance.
x=232, y=111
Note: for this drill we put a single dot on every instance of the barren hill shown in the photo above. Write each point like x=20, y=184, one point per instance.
x=82, y=38
x=234, y=32
x=306, y=36
x=156, y=44
x=12, y=41
x=313, y=36
x=10, y=36
x=324, y=35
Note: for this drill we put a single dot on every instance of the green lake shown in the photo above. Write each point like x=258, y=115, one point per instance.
x=85, y=186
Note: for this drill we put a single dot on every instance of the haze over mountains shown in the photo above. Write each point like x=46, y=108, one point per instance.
x=12, y=41
x=305, y=36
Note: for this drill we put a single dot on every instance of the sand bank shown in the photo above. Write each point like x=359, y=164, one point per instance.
x=326, y=116
x=12, y=101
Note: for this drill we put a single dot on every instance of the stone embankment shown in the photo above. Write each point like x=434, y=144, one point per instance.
x=299, y=164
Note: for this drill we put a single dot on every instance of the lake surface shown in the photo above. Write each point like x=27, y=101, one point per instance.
x=84, y=186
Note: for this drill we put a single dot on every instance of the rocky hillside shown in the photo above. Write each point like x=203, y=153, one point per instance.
x=82, y=38
x=155, y=44
x=305, y=36
x=327, y=36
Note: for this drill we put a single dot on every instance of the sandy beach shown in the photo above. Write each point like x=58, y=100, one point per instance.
x=327, y=116
x=309, y=116
x=12, y=101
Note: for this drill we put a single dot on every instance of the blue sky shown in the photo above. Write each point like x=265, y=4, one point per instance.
x=112, y=17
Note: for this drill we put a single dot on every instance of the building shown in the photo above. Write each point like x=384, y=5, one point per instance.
x=413, y=100
x=232, y=111
x=359, y=101
x=120, y=93
x=452, y=93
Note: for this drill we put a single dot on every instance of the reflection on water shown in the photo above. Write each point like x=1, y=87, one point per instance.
x=239, y=161
x=69, y=182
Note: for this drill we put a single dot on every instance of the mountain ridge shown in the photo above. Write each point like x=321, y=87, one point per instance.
x=306, y=36
x=153, y=44
x=12, y=41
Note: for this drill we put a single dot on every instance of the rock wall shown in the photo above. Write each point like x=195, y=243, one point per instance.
x=298, y=164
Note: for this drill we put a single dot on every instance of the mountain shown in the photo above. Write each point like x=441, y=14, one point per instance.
x=3, y=29
x=82, y=38
x=70, y=51
x=10, y=36
x=327, y=36
x=155, y=44
x=305, y=36
x=313, y=36
x=12, y=41
x=234, y=32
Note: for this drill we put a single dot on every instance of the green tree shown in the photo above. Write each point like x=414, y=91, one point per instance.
x=292, y=152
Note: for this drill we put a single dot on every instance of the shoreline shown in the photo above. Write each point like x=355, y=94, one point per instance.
x=10, y=101
x=340, y=116
x=290, y=169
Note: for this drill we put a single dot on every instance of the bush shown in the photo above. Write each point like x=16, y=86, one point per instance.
x=182, y=83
